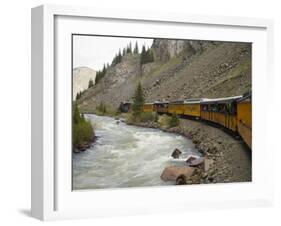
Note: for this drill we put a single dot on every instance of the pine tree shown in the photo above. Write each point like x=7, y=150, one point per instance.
x=129, y=48
x=136, y=49
x=138, y=100
x=91, y=83
x=76, y=115
x=143, y=55
x=146, y=55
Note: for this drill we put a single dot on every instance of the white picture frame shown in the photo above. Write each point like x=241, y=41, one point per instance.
x=52, y=198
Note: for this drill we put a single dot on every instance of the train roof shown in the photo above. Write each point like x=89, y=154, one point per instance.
x=161, y=102
x=220, y=100
x=246, y=97
x=193, y=101
x=177, y=102
x=126, y=102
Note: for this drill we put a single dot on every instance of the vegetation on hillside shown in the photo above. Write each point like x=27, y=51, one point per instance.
x=106, y=110
x=82, y=129
x=146, y=55
x=101, y=74
x=78, y=95
x=91, y=83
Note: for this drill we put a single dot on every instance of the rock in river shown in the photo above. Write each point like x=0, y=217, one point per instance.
x=176, y=153
x=171, y=173
x=191, y=158
x=196, y=162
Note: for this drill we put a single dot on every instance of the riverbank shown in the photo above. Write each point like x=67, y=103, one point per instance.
x=231, y=157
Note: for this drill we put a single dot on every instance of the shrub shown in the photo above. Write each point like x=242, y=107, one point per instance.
x=101, y=109
x=174, y=120
x=148, y=117
x=166, y=121
x=106, y=110
x=82, y=128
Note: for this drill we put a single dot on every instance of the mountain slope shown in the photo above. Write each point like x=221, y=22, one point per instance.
x=181, y=70
x=81, y=77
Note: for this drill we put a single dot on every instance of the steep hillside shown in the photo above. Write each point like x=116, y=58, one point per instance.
x=81, y=77
x=181, y=70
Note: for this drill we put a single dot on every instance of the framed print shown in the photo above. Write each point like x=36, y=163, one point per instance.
x=128, y=105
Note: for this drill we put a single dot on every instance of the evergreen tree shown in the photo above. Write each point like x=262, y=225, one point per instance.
x=143, y=55
x=138, y=100
x=149, y=55
x=103, y=70
x=136, y=49
x=129, y=48
x=82, y=129
x=78, y=95
x=119, y=56
x=91, y=83
x=76, y=115
x=146, y=55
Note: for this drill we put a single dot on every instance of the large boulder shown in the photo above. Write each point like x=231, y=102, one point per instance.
x=176, y=153
x=171, y=173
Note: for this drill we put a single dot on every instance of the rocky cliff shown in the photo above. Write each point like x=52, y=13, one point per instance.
x=181, y=69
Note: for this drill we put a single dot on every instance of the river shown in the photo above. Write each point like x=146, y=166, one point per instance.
x=127, y=156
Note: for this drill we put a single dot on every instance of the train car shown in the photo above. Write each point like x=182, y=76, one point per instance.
x=192, y=108
x=148, y=107
x=125, y=107
x=176, y=107
x=161, y=107
x=244, y=118
x=222, y=111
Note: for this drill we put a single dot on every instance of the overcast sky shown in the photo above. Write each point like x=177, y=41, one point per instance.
x=94, y=51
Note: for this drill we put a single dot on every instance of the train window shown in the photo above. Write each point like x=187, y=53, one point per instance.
x=215, y=108
x=221, y=108
x=234, y=105
x=205, y=108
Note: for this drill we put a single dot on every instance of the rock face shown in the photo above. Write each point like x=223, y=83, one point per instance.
x=81, y=77
x=164, y=50
x=182, y=69
x=171, y=173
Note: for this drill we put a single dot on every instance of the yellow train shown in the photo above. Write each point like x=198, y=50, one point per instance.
x=233, y=113
x=244, y=119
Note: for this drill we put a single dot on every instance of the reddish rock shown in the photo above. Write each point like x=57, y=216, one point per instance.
x=171, y=173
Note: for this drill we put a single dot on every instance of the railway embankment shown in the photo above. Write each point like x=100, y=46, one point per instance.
x=230, y=157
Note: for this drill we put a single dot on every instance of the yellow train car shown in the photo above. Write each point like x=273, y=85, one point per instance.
x=192, y=108
x=161, y=107
x=176, y=107
x=244, y=119
x=221, y=111
x=148, y=107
